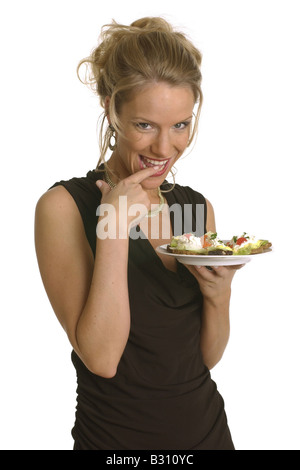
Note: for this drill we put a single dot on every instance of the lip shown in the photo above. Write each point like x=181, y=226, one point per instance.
x=143, y=160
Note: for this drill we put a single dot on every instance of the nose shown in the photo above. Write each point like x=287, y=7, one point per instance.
x=162, y=146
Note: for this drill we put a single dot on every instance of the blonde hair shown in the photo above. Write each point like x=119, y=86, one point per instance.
x=128, y=58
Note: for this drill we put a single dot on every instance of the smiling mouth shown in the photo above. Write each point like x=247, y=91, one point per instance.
x=146, y=162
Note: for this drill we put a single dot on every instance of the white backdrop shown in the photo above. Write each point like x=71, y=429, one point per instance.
x=244, y=162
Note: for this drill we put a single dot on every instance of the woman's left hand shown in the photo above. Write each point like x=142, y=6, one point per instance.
x=214, y=283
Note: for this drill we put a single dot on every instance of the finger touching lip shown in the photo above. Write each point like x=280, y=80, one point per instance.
x=161, y=165
x=143, y=174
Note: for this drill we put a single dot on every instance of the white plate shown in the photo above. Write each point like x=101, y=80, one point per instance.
x=210, y=260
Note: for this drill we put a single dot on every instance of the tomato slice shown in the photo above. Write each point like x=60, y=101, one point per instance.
x=206, y=242
x=241, y=240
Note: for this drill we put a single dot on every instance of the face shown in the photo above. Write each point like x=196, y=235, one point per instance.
x=156, y=125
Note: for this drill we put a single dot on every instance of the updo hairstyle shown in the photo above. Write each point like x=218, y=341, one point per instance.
x=128, y=58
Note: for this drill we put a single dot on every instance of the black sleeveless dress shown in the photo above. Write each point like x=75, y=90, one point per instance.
x=162, y=397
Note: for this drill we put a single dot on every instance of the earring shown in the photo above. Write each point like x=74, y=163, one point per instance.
x=112, y=145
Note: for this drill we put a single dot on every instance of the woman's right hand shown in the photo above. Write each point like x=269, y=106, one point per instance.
x=129, y=200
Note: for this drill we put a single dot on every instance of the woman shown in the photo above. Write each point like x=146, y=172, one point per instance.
x=145, y=330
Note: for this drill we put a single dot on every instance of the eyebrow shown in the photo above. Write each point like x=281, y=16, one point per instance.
x=142, y=119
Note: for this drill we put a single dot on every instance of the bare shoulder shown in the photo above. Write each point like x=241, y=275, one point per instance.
x=56, y=201
x=64, y=256
x=58, y=223
x=57, y=212
x=210, y=221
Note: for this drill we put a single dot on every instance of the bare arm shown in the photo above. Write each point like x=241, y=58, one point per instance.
x=215, y=286
x=89, y=297
x=215, y=326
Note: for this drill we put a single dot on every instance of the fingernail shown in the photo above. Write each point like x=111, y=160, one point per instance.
x=99, y=183
x=156, y=167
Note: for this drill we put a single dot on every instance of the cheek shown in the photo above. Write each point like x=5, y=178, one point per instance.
x=183, y=141
x=133, y=143
x=125, y=146
x=181, y=145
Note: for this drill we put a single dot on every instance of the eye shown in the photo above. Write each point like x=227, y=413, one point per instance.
x=182, y=125
x=143, y=126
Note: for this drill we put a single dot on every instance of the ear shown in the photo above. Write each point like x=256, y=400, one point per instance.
x=106, y=107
